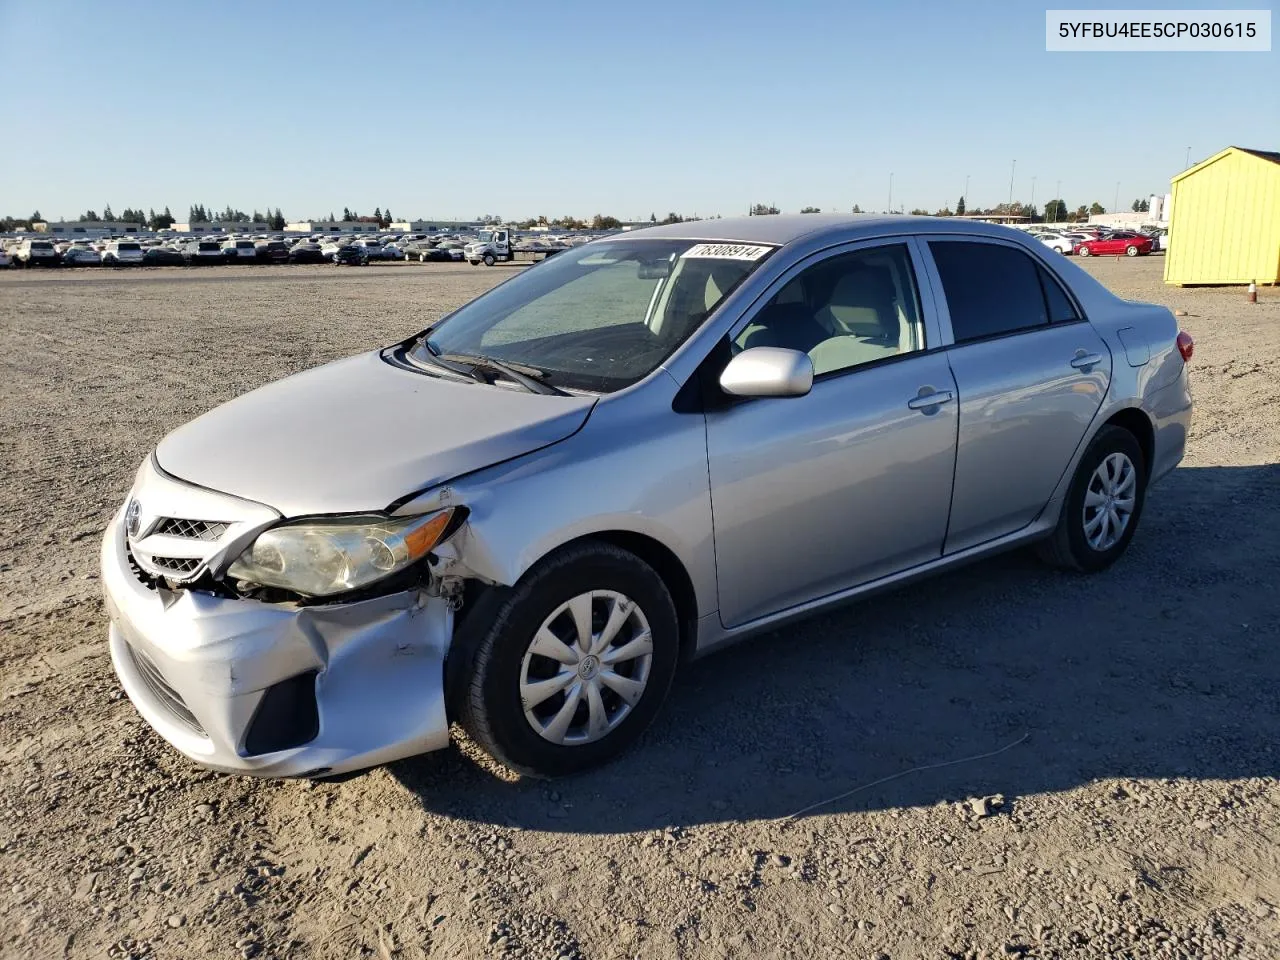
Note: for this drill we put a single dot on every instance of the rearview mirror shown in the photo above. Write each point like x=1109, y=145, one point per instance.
x=653, y=270
x=768, y=372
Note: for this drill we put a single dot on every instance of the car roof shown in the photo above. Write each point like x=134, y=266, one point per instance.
x=784, y=228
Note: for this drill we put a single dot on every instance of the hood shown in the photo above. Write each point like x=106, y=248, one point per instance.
x=358, y=434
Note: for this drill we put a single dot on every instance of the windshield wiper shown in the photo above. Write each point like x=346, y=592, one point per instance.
x=525, y=376
x=431, y=356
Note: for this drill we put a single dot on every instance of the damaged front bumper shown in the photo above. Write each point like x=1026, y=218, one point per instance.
x=278, y=690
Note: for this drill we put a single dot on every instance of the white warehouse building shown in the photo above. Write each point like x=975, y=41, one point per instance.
x=331, y=226
x=217, y=226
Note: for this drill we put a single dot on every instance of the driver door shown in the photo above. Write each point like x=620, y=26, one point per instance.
x=813, y=495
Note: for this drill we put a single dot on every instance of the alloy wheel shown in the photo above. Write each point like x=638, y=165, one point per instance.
x=586, y=667
x=1109, y=501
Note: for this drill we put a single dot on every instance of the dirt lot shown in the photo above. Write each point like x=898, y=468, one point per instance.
x=1137, y=814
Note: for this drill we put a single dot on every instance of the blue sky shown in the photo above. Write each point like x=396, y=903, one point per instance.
x=453, y=110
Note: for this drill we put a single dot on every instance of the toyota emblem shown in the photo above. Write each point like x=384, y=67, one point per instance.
x=133, y=518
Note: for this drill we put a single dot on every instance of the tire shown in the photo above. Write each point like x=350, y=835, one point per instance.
x=1131, y=251
x=493, y=659
x=1069, y=546
x=489, y=261
x=1082, y=251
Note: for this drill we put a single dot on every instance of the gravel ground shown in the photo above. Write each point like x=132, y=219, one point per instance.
x=1136, y=813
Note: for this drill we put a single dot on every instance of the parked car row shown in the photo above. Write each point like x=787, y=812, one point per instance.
x=318, y=248
x=1091, y=240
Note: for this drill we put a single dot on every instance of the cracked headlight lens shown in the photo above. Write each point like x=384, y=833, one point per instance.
x=322, y=558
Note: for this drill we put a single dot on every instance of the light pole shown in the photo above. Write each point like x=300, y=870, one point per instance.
x=1012, y=168
x=891, y=193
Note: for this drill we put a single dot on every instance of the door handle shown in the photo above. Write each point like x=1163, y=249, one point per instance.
x=930, y=400
x=1082, y=361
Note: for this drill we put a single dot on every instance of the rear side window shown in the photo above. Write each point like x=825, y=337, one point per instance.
x=1061, y=309
x=991, y=289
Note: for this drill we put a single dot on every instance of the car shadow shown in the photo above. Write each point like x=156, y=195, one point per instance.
x=1163, y=666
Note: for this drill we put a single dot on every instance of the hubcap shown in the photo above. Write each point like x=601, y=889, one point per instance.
x=1109, y=501
x=586, y=667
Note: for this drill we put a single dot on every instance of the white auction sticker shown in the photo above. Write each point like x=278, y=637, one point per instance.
x=727, y=251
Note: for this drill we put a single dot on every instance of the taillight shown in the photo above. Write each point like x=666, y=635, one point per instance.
x=1186, y=346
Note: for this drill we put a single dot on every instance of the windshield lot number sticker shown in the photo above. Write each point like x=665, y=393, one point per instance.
x=727, y=251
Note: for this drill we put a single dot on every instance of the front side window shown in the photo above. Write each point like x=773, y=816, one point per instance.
x=846, y=311
x=601, y=316
x=991, y=289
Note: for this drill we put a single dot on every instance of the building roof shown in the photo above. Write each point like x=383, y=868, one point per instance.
x=1270, y=156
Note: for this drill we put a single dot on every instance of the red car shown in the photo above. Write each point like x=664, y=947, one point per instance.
x=1130, y=244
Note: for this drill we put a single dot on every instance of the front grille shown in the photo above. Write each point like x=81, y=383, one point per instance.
x=139, y=574
x=164, y=694
x=176, y=566
x=207, y=530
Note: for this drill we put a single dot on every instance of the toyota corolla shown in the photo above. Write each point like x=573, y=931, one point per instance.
x=526, y=517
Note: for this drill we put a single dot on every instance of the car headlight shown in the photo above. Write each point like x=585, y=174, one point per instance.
x=321, y=558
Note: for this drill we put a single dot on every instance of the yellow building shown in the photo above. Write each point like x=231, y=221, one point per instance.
x=1225, y=225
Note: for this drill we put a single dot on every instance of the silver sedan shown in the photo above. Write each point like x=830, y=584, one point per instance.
x=644, y=449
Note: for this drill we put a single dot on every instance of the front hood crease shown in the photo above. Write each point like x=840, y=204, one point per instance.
x=357, y=434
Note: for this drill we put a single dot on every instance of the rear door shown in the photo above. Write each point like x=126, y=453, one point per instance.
x=1031, y=373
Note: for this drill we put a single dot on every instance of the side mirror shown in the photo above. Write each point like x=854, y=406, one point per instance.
x=768, y=372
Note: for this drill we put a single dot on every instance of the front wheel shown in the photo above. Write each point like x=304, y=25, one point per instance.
x=489, y=261
x=1083, y=251
x=565, y=670
x=1131, y=251
x=1103, y=505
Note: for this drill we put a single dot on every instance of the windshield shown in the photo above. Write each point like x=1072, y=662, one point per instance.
x=599, y=317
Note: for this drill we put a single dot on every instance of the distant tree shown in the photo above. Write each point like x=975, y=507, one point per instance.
x=89, y=216
x=1082, y=212
x=277, y=220
x=387, y=217
x=653, y=218
x=346, y=213
x=34, y=217
x=601, y=222
x=107, y=214
x=160, y=221
x=673, y=218
x=856, y=208
x=1096, y=208
x=377, y=212
x=810, y=210
x=1055, y=211
x=944, y=212
x=331, y=216
x=763, y=210
x=1141, y=206
x=960, y=207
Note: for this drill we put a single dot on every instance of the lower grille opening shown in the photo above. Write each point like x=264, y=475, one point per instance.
x=287, y=716
x=162, y=693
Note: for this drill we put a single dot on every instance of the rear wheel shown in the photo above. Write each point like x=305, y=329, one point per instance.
x=1131, y=251
x=1103, y=505
x=1083, y=251
x=568, y=668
